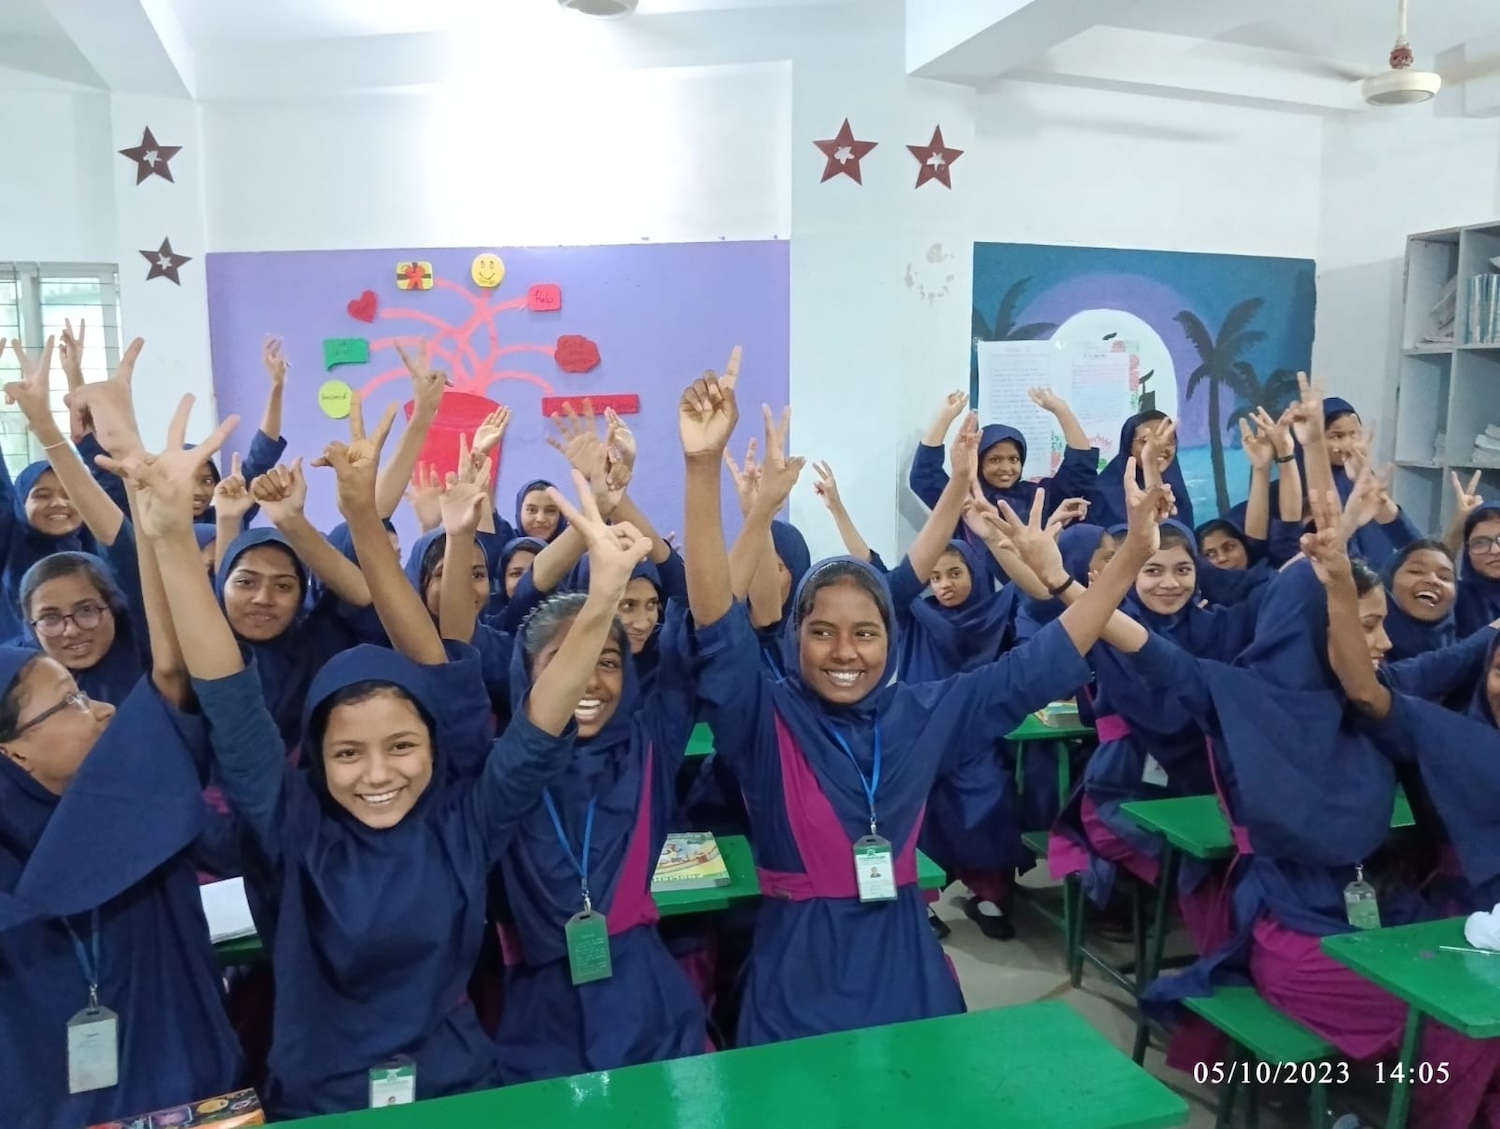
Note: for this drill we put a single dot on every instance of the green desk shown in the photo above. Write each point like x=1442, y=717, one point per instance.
x=701, y=743
x=1196, y=826
x=1059, y=1073
x=744, y=885
x=1459, y=989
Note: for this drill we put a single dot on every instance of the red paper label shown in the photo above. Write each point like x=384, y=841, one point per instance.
x=544, y=297
x=622, y=405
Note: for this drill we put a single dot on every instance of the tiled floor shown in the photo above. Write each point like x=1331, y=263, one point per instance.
x=1031, y=967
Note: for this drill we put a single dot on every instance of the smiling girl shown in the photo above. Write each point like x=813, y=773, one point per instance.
x=836, y=761
x=1423, y=589
x=369, y=868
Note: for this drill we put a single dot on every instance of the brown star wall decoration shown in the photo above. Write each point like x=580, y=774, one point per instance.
x=844, y=154
x=150, y=158
x=936, y=160
x=165, y=262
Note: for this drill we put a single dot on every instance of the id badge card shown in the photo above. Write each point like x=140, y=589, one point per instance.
x=1153, y=773
x=875, y=869
x=93, y=1050
x=588, y=947
x=393, y=1083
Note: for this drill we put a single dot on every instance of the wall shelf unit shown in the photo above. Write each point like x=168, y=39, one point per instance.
x=1447, y=388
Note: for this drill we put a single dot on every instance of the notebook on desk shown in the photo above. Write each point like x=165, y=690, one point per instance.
x=690, y=860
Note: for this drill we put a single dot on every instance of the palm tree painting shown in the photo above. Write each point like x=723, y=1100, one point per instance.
x=1217, y=357
x=1275, y=395
x=1004, y=327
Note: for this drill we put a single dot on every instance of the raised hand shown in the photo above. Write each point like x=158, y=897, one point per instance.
x=1149, y=509
x=1306, y=413
x=163, y=484
x=614, y=550
x=780, y=473
x=464, y=498
x=577, y=438
x=1031, y=542
x=746, y=478
x=425, y=495
x=1328, y=547
x=32, y=393
x=1468, y=497
x=1279, y=431
x=827, y=488
x=1366, y=502
x=427, y=383
x=707, y=412
x=282, y=492
x=357, y=463
x=232, y=498
x=492, y=430
x=107, y=406
x=953, y=406
x=70, y=352
x=1257, y=446
x=1071, y=510
x=275, y=361
x=964, y=453
x=1046, y=399
x=983, y=518
x=608, y=479
x=619, y=436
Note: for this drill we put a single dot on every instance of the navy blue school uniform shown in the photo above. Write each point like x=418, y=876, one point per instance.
x=374, y=933
x=1107, y=499
x=1478, y=596
x=115, y=675
x=107, y=862
x=608, y=812
x=1074, y=479
x=1374, y=543
x=493, y=645
x=23, y=545
x=822, y=959
x=1411, y=636
x=1077, y=543
x=287, y=663
x=263, y=456
x=526, y=488
x=499, y=612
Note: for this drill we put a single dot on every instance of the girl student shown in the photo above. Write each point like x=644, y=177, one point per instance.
x=1479, y=574
x=371, y=866
x=1256, y=537
x=1002, y=459
x=1107, y=499
x=101, y=925
x=1348, y=448
x=1422, y=589
x=836, y=762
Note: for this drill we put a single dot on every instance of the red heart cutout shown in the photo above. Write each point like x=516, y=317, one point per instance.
x=364, y=306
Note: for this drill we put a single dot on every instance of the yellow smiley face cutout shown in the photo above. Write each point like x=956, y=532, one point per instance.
x=488, y=270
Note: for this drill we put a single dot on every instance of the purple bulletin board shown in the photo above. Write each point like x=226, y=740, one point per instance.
x=659, y=315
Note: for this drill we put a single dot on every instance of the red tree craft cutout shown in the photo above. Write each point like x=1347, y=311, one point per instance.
x=476, y=359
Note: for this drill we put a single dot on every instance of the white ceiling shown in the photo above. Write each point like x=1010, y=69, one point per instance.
x=27, y=17
x=219, y=22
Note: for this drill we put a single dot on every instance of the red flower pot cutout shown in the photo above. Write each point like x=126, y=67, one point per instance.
x=576, y=353
x=363, y=308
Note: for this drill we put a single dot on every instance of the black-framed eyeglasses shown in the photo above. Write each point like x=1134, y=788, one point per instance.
x=85, y=617
x=1484, y=544
x=77, y=700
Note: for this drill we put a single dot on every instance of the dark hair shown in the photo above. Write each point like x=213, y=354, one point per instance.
x=839, y=572
x=357, y=692
x=1366, y=579
x=1429, y=544
x=1175, y=537
x=1143, y=418
x=556, y=614
x=1218, y=525
x=59, y=565
x=13, y=701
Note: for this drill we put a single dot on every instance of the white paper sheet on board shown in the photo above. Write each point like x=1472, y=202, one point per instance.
x=1007, y=372
x=227, y=910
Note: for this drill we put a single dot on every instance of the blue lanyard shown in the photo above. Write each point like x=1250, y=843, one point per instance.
x=870, y=782
x=588, y=837
x=88, y=959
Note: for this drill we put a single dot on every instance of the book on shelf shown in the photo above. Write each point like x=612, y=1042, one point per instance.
x=690, y=860
x=1482, y=321
x=227, y=1111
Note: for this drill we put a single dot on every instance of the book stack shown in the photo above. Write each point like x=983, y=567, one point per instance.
x=1483, y=321
x=1060, y=714
x=1486, y=448
x=238, y=1110
x=690, y=860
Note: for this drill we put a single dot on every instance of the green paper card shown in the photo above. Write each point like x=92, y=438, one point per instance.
x=588, y=948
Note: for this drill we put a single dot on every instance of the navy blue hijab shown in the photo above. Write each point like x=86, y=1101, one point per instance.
x=527, y=488
x=112, y=849
x=1478, y=595
x=1108, y=500
x=1411, y=636
x=1213, y=632
x=115, y=675
x=943, y=641
x=25, y=545
x=791, y=547
x=1022, y=494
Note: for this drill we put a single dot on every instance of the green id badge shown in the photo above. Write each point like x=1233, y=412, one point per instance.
x=875, y=869
x=588, y=947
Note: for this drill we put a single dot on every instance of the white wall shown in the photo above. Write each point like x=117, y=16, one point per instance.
x=1387, y=174
x=56, y=197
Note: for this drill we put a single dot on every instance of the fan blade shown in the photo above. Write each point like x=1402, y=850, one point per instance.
x=1317, y=68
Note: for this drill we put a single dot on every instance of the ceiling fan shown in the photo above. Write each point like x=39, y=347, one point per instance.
x=1401, y=84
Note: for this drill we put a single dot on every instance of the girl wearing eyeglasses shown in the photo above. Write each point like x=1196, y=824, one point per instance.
x=77, y=615
x=1479, y=572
